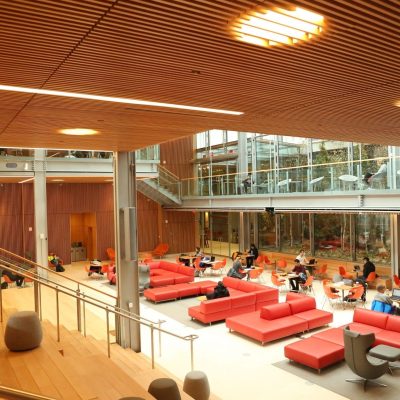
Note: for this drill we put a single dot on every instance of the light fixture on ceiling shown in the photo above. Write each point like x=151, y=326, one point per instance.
x=27, y=180
x=108, y=180
x=123, y=100
x=57, y=180
x=78, y=131
x=278, y=26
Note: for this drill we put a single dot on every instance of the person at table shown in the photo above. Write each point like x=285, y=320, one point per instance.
x=253, y=253
x=302, y=258
x=368, y=268
x=219, y=291
x=301, y=276
x=384, y=298
x=198, y=252
x=95, y=266
x=235, y=271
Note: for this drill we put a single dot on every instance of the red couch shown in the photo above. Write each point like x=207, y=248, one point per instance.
x=244, y=297
x=163, y=273
x=174, y=292
x=297, y=314
x=327, y=347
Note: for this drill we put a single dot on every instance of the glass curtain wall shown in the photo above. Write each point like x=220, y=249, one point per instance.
x=295, y=233
x=264, y=162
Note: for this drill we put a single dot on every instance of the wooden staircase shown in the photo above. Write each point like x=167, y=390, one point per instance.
x=77, y=368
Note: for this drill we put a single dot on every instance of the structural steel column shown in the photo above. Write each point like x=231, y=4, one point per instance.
x=40, y=202
x=128, y=333
x=395, y=242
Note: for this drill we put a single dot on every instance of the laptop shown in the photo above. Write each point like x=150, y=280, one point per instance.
x=311, y=262
x=395, y=294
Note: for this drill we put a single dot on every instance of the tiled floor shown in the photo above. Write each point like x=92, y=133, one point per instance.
x=237, y=367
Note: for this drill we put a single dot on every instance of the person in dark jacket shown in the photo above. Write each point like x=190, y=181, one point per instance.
x=301, y=276
x=219, y=291
x=368, y=268
x=253, y=251
x=13, y=277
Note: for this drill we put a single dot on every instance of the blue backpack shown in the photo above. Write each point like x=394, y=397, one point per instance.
x=381, y=307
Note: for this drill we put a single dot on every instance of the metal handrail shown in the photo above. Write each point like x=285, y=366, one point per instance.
x=25, y=260
x=40, y=282
x=168, y=172
x=18, y=269
x=22, y=394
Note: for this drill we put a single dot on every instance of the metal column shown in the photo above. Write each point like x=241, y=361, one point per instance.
x=128, y=333
x=395, y=242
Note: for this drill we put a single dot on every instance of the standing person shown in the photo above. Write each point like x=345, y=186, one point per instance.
x=253, y=251
x=368, y=268
x=246, y=184
x=234, y=272
x=301, y=276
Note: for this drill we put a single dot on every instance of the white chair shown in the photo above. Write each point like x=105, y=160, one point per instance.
x=316, y=182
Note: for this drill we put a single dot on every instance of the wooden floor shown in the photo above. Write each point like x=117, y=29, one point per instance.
x=76, y=367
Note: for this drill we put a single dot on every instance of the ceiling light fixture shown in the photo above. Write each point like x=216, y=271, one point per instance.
x=57, y=180
x=78, y=131
x=27, y=180
x=114, y=99
x=278, y=26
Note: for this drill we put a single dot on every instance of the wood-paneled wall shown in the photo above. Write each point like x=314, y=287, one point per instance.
x=17, y=217
x=176, y=156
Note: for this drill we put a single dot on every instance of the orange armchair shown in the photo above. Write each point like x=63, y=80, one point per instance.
x=344, y=274
x=160, y=250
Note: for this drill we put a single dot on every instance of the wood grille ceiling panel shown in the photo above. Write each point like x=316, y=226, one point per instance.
x=341, y=85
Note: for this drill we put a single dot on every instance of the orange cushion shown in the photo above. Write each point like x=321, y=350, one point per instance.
x=275, y=311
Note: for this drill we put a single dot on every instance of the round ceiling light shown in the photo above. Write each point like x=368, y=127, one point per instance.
x=277, y=26
x=78, y=131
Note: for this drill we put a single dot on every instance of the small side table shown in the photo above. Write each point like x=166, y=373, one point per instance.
x=388, y=353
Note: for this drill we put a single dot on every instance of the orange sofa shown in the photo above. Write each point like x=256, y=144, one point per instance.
x=163, y=273
x=297, y=314
x=327, y=347
x=244, y=297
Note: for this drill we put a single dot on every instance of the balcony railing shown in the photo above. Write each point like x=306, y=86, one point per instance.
x=381, y=173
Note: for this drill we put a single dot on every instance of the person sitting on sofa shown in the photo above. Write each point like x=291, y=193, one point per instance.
x=219, y=291
x=235, y=271
x=301, y=276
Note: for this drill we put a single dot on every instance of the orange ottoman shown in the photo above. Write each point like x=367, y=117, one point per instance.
x=314, y=353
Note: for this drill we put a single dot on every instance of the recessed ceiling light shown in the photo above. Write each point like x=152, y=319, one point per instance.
x=278, y=26
x=114, y=99
x=57, y=180
x=78, y=131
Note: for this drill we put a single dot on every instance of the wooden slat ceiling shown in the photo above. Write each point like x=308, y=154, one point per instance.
x=342, y=85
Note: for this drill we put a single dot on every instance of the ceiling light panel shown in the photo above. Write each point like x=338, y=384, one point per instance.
x=278, y=27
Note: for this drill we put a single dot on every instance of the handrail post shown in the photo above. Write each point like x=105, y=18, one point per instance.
x=84, y=314
x=108, y=333
x=159, y=337
x=58, y=315
x=191, y=353
x=78, y=309
x=152, y=345
x=36, y=298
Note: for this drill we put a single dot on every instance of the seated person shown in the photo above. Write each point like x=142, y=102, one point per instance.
x=56, y=262
x=198, y=252
x=205, y=262
x=380, y=174
x=95, y=266
x=384, y=298
x=368, y=268
x=235, y=271
x=219, y=291
x=13, y=277
x=301, y=276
